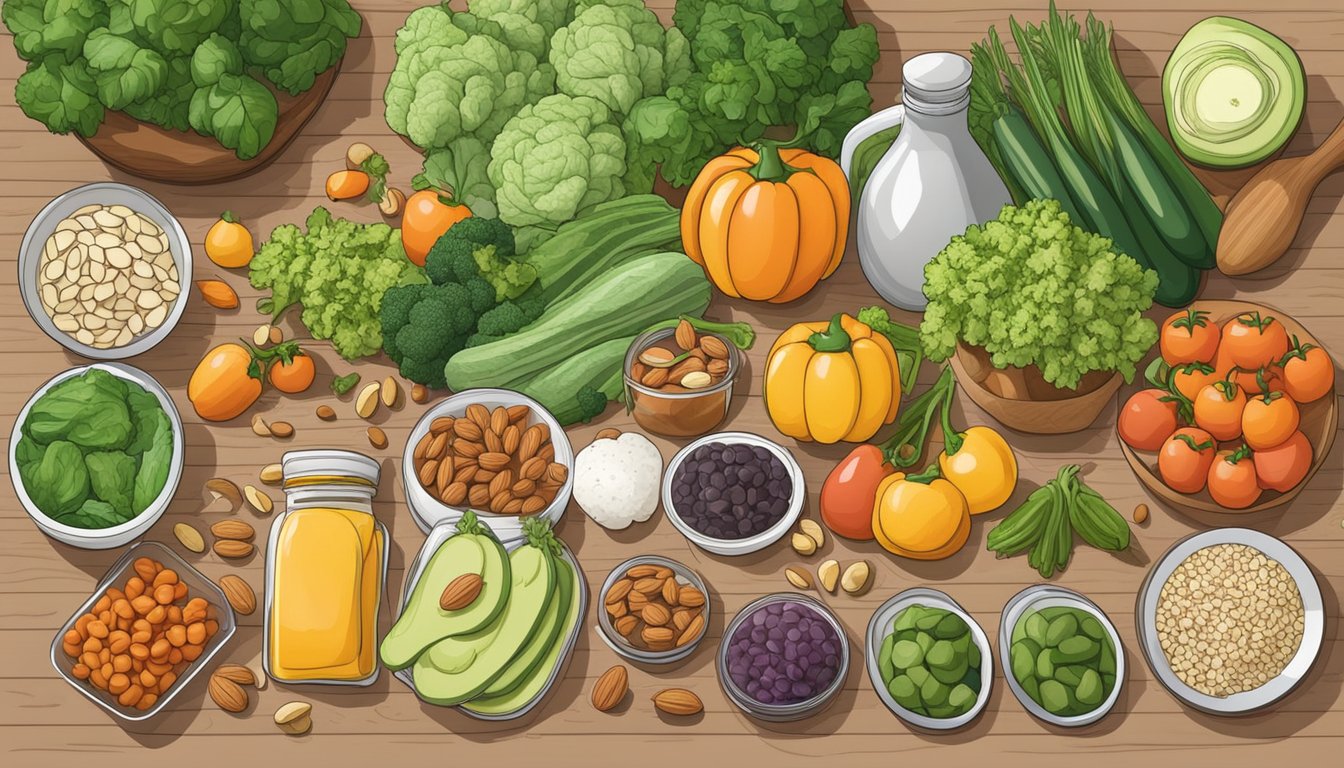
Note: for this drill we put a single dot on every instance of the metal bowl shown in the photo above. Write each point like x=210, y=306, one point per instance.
x=733, y=547
x=780, y=713
x=880, y=626
x=429, y=511
x=104, y=193
x=1313, y=630
x=117, y=535
x=1049, y=596
x=619, y=644
x=116, y=576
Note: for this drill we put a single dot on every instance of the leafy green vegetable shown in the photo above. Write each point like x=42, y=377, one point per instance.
x=171, y=106
x=58, y=483
x=88, y=410
x=339, y=270
x=94, y=514
x=1033, y=289
x=112, y=479
x=377, y=167
x=295, y=40
x=62, y=96
x=557, y=159
x=217, y=56
x=462, y=169
x=45, y=27
x=618, y=52
x=238, y=111
x=342, y=384
x=153, y=472
x=123, y=71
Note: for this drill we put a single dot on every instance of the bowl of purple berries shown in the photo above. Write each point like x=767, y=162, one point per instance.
x=783, y=657
x=732, y=493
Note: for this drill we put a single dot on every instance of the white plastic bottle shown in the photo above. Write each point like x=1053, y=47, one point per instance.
x=932, y=183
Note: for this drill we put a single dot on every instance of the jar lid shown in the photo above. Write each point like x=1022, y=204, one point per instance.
x=329, y=463
x=940, y=77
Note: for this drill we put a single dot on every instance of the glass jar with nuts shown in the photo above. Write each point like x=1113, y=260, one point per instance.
x=679, y=381
x=655, y=610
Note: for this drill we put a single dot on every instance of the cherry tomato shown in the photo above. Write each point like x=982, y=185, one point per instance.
x=1185, y=460
x=1232, y=480
x=1224, y=368
x=293, y=375
x=1188, y=337
x=1218, y=408
x=1147, y=419
x=1189, y=378
x=1282, y=467
x=1254, y=341
x=427, y=215
x=1268, y=420
x=850, y=490
x=1308, y=373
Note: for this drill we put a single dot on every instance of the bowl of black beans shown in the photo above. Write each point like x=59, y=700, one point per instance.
x=732, y=493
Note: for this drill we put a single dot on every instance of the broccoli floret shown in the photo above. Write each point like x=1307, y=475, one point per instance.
x=591, y=402
x=452, y=259
x=437, y=321
x=510, y=276
x=395, y=313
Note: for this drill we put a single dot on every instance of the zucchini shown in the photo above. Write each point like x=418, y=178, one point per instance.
x=1028, y=162
x=598, y=367
x=600, y=240
x=1158, y=199
x=619, y=303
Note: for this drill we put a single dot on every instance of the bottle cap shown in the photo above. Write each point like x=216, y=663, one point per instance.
x=937, y=83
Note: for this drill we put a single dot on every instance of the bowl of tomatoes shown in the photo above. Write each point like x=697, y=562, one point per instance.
x=1239, y=411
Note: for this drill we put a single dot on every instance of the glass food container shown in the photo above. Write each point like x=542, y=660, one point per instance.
x=673, y=411
x=325, y=567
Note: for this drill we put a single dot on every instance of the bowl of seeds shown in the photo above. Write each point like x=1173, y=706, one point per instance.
x=1230, y=620
x=103, y=269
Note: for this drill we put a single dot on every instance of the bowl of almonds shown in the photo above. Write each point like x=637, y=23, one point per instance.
x=103, y=270
x=655, y=610
x=679, y=381
x=493, y=451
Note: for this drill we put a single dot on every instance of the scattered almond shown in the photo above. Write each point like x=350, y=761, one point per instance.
x=227, y=695
x=261, y=335
x=272, y=474
x=189, y=537
x=237, y=673
x=295, y=718
x=275, y=335
x=239, y=593
x=282, y=429
x=419, y=393
x=258, y=500
x=829, y=575
x=259, y=427
x=678, y=701
x=367, y=401
x=392, y=203
x=611, y=688
x=803, y=544
x=233, y=549
x=812, y=529
x=461, y=592
x=607, y=434
x=218, y=294
x=238, y=530
x=377, y=437
x=1141, y=514
x=798, y=577
x=221, y=488
x=326, y=413
x=856, y=577
x=389, y=392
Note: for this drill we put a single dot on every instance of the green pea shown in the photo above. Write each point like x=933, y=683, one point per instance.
x=961, y=697
x=941, y=655
x=1023, y=661
x=905, y=654
x=1035, y=628
x=1089, y=688
x=951, y=626
x=1054, y=696
x=1045, y=666
x=1061, y=628
x=1075, y=649
x=934, y=693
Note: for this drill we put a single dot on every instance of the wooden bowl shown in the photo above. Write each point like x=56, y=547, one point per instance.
x=1319, y=422
x=1041, y=409
x=186, y=157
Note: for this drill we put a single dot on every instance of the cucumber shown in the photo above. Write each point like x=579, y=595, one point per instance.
x=1026, y=159
x=617, y=304
x=598, y=367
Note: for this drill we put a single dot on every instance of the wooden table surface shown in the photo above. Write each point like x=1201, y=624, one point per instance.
x=43, y=721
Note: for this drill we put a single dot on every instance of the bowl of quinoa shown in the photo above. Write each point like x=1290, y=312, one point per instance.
x=1230, y=620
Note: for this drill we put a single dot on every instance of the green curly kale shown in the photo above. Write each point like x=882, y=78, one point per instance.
x=1033, y=289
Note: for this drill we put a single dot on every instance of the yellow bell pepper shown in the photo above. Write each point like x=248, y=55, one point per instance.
x=827, y=382
x=922, y=517
x=980, y=463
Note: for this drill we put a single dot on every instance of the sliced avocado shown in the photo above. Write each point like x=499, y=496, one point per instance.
x=422, y=622
x=538, y=676
x=546, y=635
x=458, y=669
x=1233, y=92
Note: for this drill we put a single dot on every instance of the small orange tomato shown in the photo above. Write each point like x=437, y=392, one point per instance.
x=1268, y=420
x=1189, y=378
x=1218, y=408
x=1232, y=479
x=1188, y=337
x=850, y=490
x=346, y=185
x=1308, y=372
x=1225, y=369
x=292, y=373
x=1254, y=341
x=1185, y=459
x=428, y=214
x=1147, y=419
x=1282, y=467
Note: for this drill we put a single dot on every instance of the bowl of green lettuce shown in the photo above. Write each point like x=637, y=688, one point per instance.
x=96, y=455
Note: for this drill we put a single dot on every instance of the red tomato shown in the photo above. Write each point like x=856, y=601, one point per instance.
x=1232, y=480
x=848, y=495
x=1147, y=420
x=1188, y=337
x=1268, y=420
x=293, y=375
x=1185, y=460
x=1189, y=378
x=1218, y=409
x=1254, y=341
x=1308, y=373
x=1282, y=467
x=1224, y=369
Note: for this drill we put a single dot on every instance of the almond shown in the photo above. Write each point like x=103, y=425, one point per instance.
x=442, y=424
x=856, y=578
x=493, y=461
x=611, y=688
x=678, y=701
x=533, y=504
x=237, y=673
x=239, y=593
x=656, y=357
x=443, y=477
x=685, y=335
x=658, y=635
x=617, y=609
x=438, y=446
x=419, y=394
x=454, y=494
x=461, y=592
x=692, y=630
x=367, y=401
x=499, y=420
x=798, y=577
x=422, y=446
x=232, y=549
x=518, y=415
x=681, y=618
x=642, y=571
x=377, y=437
x=259, y=427
x=671, y=591
x=625, y=625
x=829, y=574
x=691, y=597
x=468, y=449
x=655, y=614
x=533, y=468
x=618, y=591
x=233, y=529
x=493, y=442
x=531, y=442
x=227, y=695
x=557, y=473
x=689, y=365
x=189, y=537
x=326, y=413
x=655, y=378
x=221, y=488
x=717, y=367
x=649, y=585
x=812, y=529
x=258, y=500
x=282, y=429
x=428, y=472
x=610, y=433
x=389, y=392
x=479, y=414
x=295, y=718
x=714, y=347
x=696, y=380
x=511, y=438
x=479, y=495
x=272, y=474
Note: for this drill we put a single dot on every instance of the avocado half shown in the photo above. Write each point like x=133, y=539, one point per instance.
x=1233, y=92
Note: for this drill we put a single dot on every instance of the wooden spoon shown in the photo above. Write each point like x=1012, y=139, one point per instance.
x=1264, y=215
